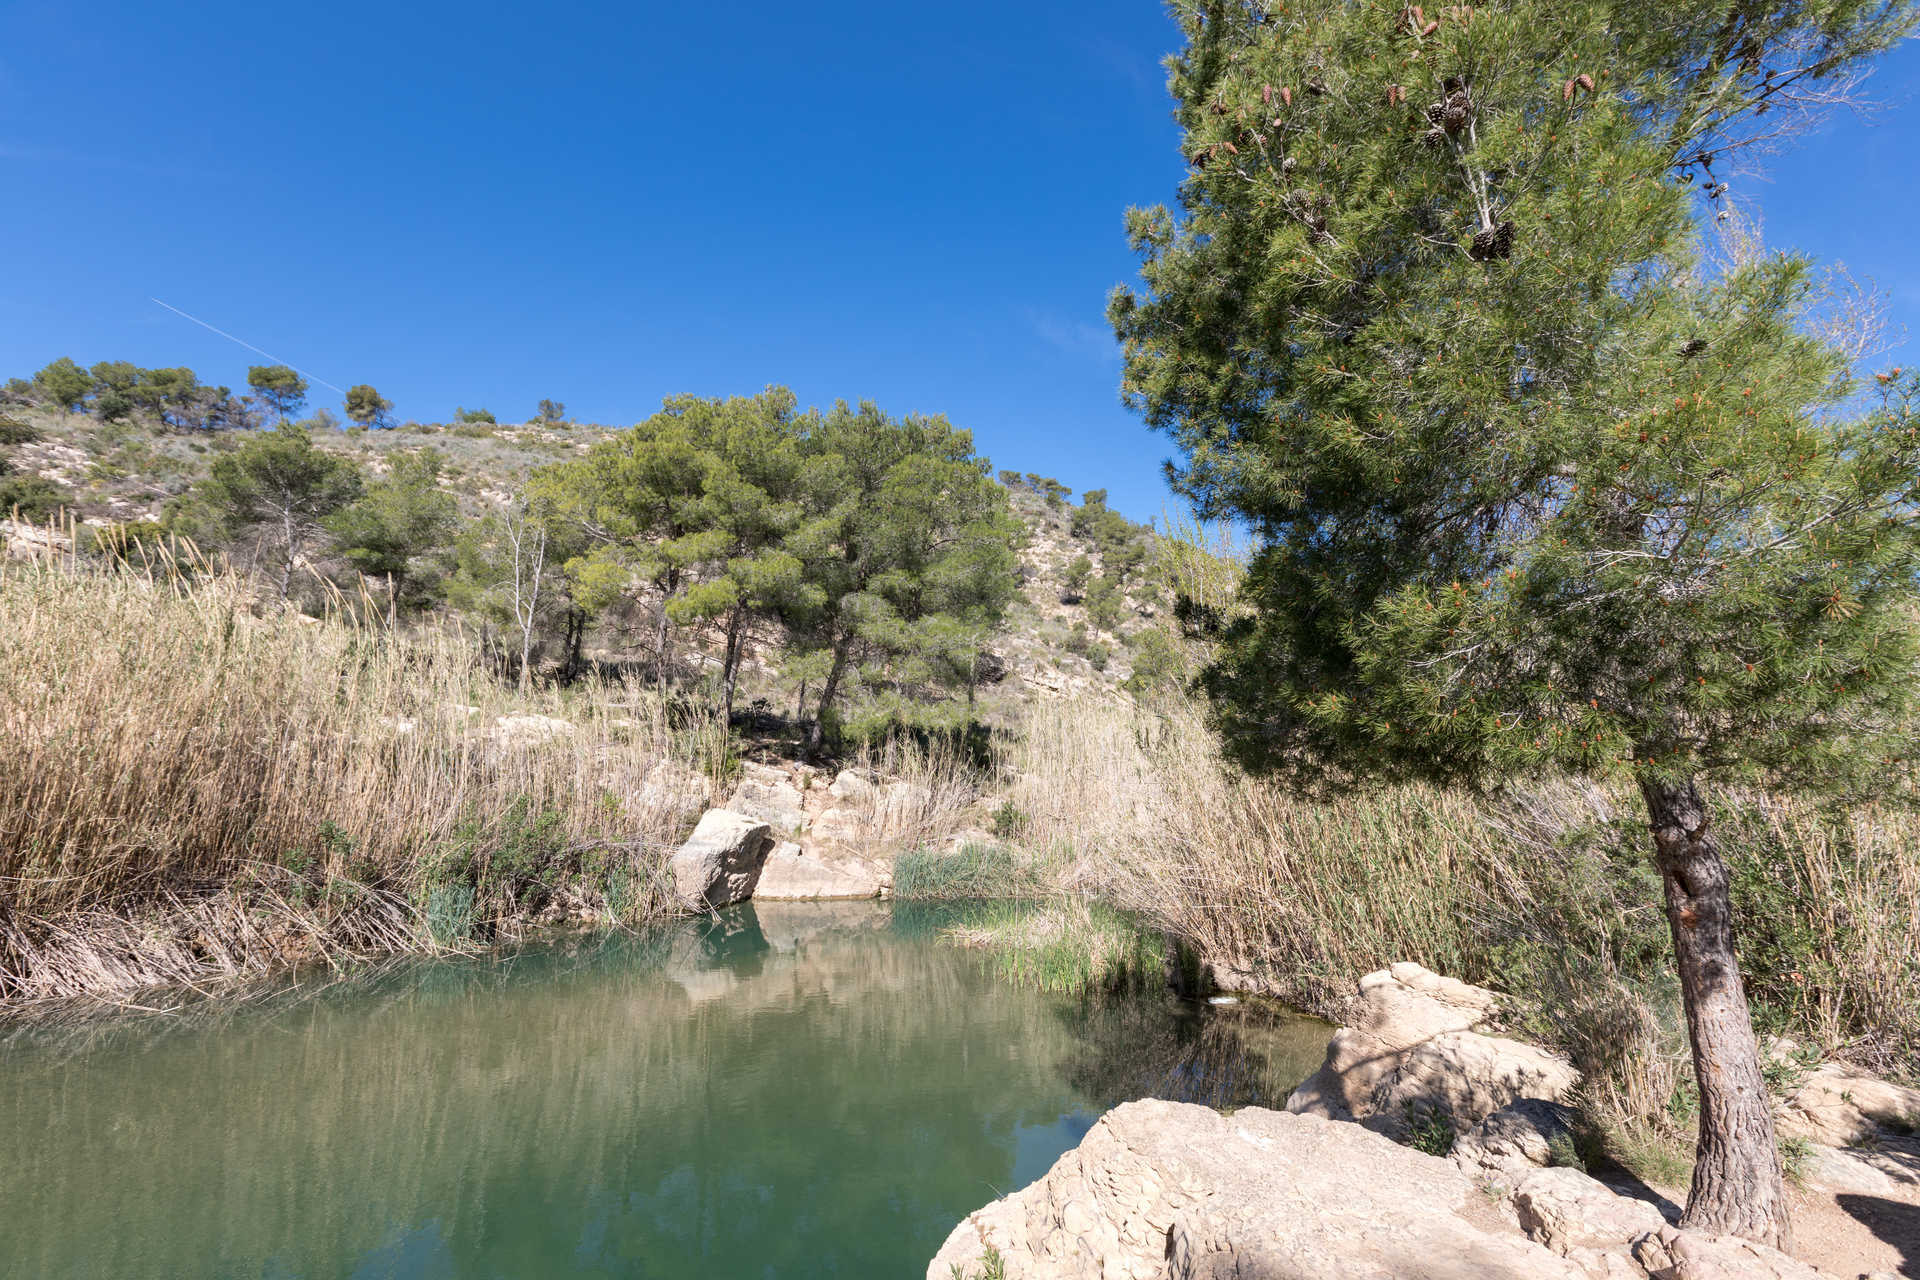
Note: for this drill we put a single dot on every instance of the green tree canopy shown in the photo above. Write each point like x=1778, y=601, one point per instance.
x=399, y=526
x=277, y=484
x=64, y=383
x=1534, y=486
x=906, y=542
x=367, y=406
x=281, y=387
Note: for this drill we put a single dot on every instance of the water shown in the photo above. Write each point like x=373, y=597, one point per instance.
x=792, y=1091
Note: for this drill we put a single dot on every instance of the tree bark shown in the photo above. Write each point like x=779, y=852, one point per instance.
x=730, y=666
x=1737, y=1185
x=817, y=732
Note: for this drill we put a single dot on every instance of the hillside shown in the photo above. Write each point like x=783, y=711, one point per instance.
x=1091, y=616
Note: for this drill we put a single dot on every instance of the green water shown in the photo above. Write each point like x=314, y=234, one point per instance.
x=790, y=1091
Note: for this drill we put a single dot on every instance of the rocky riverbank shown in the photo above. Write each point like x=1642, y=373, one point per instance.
x=1335, y=1187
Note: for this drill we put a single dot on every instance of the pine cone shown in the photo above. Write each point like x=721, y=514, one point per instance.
x=1316, y=86
x=1434, y=138
x=1289, y=165
x=1494, y=242
x=1692, y=347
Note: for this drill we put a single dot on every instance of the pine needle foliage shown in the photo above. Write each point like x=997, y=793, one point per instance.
x=1532, y=488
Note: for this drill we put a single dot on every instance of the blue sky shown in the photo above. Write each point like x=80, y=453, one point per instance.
x=606, y=203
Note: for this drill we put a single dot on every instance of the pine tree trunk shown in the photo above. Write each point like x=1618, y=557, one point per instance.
x=1737, y=1187
x=730, y=667
x=817, y=732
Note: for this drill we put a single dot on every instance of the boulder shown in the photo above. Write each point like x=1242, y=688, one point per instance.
x=1515, y=1140
x=901, y=807
x=839, y=831
x=1164, y=1189
x=851, y=788
x=720, y=863
x=675, y=788
x=770, y=796
x=1839, y=1106
x=792, y=875
x=1413, y=1052
x=1672, y=1254
x=1564, y=1209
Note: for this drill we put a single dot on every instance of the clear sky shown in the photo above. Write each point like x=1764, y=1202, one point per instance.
x=483, y=204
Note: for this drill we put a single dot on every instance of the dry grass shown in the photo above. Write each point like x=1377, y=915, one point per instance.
x=197, y=787
x=1543, y=891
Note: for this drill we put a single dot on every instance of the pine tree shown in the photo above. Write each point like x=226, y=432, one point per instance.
x=368, y=407
x=394, y=530
x=279, y=482
x=907, y=547
x=281, y=387
x=1534, y=487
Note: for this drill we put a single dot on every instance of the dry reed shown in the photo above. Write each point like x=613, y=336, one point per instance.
x=1541, y=890
x=198, y=785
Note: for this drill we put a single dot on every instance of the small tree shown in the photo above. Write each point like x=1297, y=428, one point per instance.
x=551, y=413
x=1532, y=490
x=510, y=569
x=116, y=389
x=1078, y=570
x=280, y=387
x=368, y=407
x=276, y=482
x=398, y=525
x=474, y=417
x=64, y=383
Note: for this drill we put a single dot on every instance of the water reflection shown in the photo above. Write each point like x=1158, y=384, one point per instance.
x=795, y=1090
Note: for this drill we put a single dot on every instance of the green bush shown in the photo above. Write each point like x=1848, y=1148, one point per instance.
x=14, y=431
x=35, y=498
x=1009, y=820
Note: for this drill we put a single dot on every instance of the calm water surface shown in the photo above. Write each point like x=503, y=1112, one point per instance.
x=789, y=1091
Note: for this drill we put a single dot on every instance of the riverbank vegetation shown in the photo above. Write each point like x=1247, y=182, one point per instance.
x=198, y=789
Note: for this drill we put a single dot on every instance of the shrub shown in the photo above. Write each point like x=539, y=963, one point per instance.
x=1008, y=820
x=14, y=431
x=33, y=498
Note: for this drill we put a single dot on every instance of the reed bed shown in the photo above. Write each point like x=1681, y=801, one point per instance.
x=201, y=785
x=1542, y=890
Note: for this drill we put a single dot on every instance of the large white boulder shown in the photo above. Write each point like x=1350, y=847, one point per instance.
x=1413, y=1053
x=720, y=863
x=792, y=874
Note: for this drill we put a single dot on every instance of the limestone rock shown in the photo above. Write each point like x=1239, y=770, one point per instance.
x=1413, y=1050
x=720, y=863
x=838, y=830
x=791, y=875
x=676, y=788
x=770, y=796
x=1839, y=1106
x=1163, y=1189
x=1516, y=1139
x=1672, y=1254
x=1565, y=1209
x=901, y=806
x=851, y=788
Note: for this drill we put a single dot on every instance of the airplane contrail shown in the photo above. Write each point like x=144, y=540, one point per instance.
x=248, y=345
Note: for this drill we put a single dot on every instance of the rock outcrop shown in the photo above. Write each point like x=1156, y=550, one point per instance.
x=770, y=795
x=1839, y=1106
x=720, y=863
x=1415, y=1056
x=1163, y=1189
x=792, y=874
